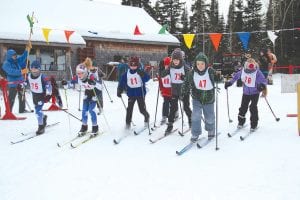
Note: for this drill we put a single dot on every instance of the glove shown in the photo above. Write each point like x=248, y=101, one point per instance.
x=264, y=92
x=47, y=98
x=64, y=84
x=182, y=76
x=261, y=87
x=227, y=84
x=141, y=73
x=21, y=86
x=119, y=92
x=181, y=97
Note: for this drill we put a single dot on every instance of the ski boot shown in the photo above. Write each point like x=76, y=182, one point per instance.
x=94, y=132
x=83, y=130
x=163, y=120
x=211, y=135
x=194, y=138
x=41, y=130
x=169, y=128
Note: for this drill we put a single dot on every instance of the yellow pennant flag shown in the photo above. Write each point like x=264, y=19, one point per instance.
x=188, y=39
x=46, y=32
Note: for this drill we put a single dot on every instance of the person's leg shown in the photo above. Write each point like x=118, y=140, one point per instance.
x=196, y=128
x=12, y=92
x=254, y=111
x=142, y=108
x=187, y=109
x=243, y=109
x=209, y=119
x=131, y=101
x=21, y=98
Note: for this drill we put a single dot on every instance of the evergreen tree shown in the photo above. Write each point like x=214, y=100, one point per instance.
x=171, y=11
x=253, y=22
x=198, y=22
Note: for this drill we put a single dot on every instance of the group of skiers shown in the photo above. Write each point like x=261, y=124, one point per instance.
x=177, y=82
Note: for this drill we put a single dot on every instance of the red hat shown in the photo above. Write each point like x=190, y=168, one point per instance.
x=167, y=61
x=134, y=61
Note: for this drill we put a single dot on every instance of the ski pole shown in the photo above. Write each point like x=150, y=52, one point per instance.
x=100, y=108
x=107, y=91
x=230, y=120
x=126, y=109
x=79, y=98
x=156, y=106
x=181, y=116
x=276, y=118
x=217, y=110
x=145, y=108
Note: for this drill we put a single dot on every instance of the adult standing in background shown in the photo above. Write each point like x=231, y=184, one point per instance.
x=272, y=61
x=13, y=66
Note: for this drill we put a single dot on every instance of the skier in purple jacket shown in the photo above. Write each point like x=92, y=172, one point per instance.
x=254, y=82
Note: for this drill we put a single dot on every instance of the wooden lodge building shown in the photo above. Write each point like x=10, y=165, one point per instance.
x=102, y=31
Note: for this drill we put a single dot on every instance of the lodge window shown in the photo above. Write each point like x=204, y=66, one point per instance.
x=53, y=59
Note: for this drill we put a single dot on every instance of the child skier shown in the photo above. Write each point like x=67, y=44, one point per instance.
x=177, y=71
x=133, y=81
x=97, y=74
x=200, y=82
x=88, y=83
x=254, y=83
x=41, y=89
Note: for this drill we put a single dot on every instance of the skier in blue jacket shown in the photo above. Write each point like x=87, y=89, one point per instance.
x=133, y=81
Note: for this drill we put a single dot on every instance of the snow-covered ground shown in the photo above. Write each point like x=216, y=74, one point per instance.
x=265, y=166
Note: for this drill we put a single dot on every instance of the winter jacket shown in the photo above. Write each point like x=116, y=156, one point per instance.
x=204, y=96
x=13, y=68
x=133, y=92
x=176, y=87
x=260, y=79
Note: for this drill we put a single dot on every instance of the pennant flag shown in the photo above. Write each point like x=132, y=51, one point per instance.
x=163, y=29
x=137, y=31
x=298, y=29
x=244, y=37
x=31, y=22
x=215, y=39
x=46, y=32
x=188, y=39
x=68, y=34
x=272, y=36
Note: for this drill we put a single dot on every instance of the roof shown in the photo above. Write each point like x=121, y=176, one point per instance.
x=89, y=19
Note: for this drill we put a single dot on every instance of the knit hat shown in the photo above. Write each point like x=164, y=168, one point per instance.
x=202, y=57
x=177, y=54
x=36, y=64
x=167, y=61
x=81, y=68
x=134, y=61
x=250, y=64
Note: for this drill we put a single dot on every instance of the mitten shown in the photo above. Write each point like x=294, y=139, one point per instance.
x=64, y=84
x=141, y=73
x=264, y=92
x=261, y=87
x=227, y=84
x=119, y=92
x=91, y=82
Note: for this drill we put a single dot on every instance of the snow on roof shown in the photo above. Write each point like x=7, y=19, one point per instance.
x=85, y=17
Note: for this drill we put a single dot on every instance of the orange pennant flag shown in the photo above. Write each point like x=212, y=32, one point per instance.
x=46, y=32
x=215, y=39
x=137, y=31
x=188, y=39
x=68, y=34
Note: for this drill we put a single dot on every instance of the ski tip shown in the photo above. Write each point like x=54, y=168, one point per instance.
x=228, y=134
x=242, y=139
x=72, y=145
x=199, y=146
x=58, y=145
x=115, y=141
x=179, y=132
x=12, y=142
x=178, y=153
x=151, y=141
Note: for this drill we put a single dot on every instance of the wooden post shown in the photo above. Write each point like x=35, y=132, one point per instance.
x=298, y=105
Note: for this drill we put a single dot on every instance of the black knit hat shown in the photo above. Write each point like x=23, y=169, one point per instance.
x=177, y=54
x=134, y=61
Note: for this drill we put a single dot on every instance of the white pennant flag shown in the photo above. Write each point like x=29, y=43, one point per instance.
x=272, y=36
